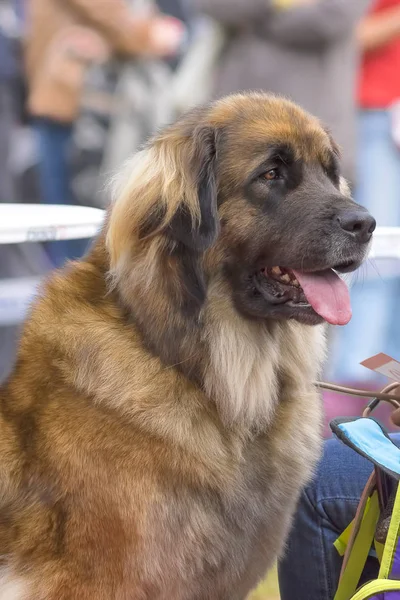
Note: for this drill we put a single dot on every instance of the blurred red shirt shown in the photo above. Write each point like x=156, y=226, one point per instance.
x=379, y=82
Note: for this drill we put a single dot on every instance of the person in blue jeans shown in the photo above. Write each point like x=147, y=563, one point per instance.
x=311, y=566
x=63, y=39
x=53, y=140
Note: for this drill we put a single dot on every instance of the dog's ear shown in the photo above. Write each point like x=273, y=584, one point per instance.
x=168, y=189
x=198, y=231
x=163, y=218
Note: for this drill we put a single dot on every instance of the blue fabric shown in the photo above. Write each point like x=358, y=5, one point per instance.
x=9, y=67
x=366, y=435
x=20, y=10
x=10, y=59
x=374, y=326
x=53, y=140
x=311, y=565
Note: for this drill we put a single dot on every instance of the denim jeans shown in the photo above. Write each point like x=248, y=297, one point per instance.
x=376, y=289
x=53, y=141
x=311, y=566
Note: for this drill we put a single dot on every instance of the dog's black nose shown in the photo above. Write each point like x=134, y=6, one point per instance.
x=359, y=223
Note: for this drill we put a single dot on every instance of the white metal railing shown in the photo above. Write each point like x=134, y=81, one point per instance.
x=21, y=223
x=386, y=243
x=44, y=222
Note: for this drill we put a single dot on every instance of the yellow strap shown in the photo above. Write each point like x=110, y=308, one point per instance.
x=360, y=550
x=391, y=539
x=343, y=539
x=379, y=550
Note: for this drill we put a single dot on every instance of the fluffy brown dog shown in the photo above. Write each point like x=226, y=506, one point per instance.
x=161, y=418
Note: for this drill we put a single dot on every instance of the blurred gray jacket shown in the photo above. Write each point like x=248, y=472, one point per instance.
x=305, y=52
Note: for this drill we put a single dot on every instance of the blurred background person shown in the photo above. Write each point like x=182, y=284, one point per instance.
x=375, y=295
x=304, y=49
x=62, y=40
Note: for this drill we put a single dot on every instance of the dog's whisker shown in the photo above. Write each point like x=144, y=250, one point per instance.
x=177, y=364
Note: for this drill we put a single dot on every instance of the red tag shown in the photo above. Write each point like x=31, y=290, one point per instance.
x=384, y=364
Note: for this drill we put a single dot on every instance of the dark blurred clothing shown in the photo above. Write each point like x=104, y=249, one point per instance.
x=379, y=84
x=180, y=10
x=175, y=8
x=306, y=52
x=7, y=188
x=8, y=61
x=9, y=70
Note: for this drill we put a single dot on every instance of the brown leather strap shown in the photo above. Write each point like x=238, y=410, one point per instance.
x=385, y=394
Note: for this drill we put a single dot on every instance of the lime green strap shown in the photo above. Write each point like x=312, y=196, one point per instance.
x=360, y=550
x=379, y=550
x=343, y=539
x=391, y=539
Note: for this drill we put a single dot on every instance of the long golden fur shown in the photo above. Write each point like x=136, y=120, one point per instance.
x=154, y=435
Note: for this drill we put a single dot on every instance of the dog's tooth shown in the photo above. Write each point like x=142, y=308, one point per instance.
x=285, y=278
x=276, y=271
x=295, y=282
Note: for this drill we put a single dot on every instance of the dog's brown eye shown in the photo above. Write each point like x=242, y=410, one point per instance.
x=271, y=174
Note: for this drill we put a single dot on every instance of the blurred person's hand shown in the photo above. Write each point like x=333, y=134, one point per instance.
x=163, y=35
x=128, y=31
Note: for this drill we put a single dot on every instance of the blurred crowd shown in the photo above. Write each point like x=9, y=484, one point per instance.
x=83, y=83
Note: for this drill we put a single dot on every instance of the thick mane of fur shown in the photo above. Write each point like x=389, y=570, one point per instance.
x=174, y=288
x=249, y=363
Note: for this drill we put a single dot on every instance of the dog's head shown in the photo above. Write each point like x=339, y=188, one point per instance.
x=247, y=189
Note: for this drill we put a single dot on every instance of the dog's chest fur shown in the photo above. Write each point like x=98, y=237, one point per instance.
x=224, y=540
x=246, y=520
x=215, y=539
x=167, y=501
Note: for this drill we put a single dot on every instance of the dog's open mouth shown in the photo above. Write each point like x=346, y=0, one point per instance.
x=323, y=291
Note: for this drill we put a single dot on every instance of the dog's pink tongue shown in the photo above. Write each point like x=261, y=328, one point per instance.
x=328, y=295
